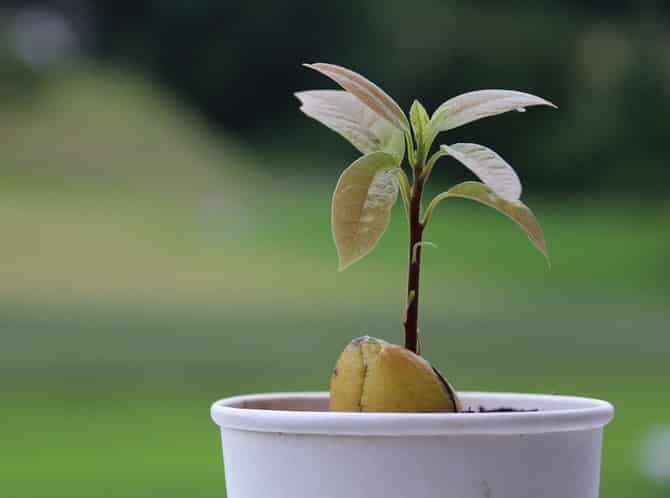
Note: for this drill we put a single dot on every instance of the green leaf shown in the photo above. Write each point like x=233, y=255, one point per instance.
x=362, y=202
x=366, y=91
x=515, y=210
x=480, y=104
x=347, y=115
x=419, y=119
x=489, y=167
x=405, y=188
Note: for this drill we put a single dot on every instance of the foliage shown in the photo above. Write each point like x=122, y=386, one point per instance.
x=369, y=187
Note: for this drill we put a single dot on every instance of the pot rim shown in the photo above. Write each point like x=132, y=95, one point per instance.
x=555, y=414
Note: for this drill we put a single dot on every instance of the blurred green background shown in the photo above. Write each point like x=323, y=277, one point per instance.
x=166, y=238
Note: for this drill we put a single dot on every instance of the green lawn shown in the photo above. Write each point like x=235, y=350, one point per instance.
x=149, y=268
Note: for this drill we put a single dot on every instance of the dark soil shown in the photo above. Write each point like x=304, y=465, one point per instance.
x=502, y=409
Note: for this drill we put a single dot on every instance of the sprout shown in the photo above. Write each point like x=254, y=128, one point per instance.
x=368, y=189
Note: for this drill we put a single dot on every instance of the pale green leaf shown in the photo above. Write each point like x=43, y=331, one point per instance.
x=366, y=91
x=479, y=104
x=345, y=114
x=489, y=167
x=362, y=202
x=419, y=119
x=515, y=210
x=405, y=188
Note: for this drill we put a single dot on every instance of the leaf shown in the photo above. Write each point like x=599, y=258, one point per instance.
x=345, y=114
x=419, y=119
x=489, y=167
x=479, y=104
x=362, y=202
x=405, y=188
x=515, y=210
x=366, y=91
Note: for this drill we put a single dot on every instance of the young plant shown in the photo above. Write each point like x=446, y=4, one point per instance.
x=364, y=196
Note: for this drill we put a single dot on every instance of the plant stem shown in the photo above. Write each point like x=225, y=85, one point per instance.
x=415, y=236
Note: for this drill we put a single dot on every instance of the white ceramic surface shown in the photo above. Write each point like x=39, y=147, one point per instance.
x=287, y=445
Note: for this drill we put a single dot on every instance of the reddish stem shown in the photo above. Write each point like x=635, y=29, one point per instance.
x=415, y=236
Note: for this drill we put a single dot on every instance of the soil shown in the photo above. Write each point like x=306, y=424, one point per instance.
x=502, y=409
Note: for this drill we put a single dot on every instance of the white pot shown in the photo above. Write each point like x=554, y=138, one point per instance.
x=288, y=445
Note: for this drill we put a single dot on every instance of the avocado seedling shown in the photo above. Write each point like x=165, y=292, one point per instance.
x=371, y=374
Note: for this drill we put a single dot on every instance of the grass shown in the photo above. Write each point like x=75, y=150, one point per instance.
x=149, y=268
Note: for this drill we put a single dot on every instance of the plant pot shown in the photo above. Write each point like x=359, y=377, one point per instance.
x=287, y=445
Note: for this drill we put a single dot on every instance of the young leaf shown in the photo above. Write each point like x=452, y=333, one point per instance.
x=362, y=202
x=405, y=188
x=515, y=210
x=345, y=114
x=419, y=119
x=366, y=91
x=489, y=167
x=480, y=104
